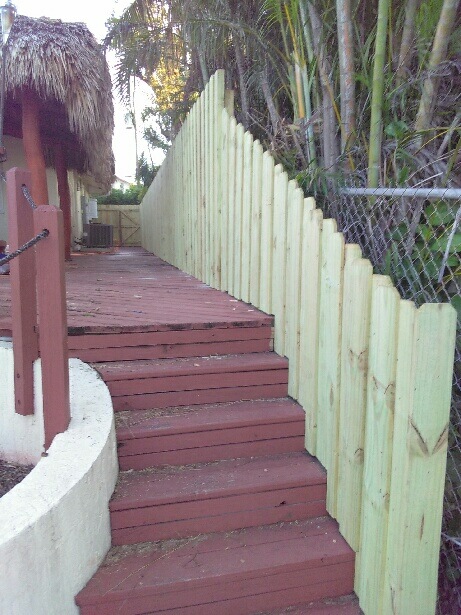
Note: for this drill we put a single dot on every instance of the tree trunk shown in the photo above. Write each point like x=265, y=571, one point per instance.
x=64, y=196
x=330, y=144
x=346, y=72
x=376, y=128
x=35, y=159
x=242, y=84
x=203, y=68
x=438, y=55
x=407, y=43
x=265, y=87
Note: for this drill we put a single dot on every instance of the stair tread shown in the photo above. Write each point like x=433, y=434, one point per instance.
x=210, y=560
x=190, y=419
x=159, y=368
x=214, y=480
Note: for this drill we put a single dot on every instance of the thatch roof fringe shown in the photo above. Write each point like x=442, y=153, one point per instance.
x=63, y=62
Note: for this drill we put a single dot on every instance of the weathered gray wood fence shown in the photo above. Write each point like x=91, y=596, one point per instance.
x=126, y=222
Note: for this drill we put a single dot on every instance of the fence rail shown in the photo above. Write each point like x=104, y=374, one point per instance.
x=372, y=371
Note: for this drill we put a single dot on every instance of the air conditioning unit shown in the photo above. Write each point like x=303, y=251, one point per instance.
x=98, y=235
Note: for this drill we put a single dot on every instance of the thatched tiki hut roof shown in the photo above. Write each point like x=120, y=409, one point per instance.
x=59, y=100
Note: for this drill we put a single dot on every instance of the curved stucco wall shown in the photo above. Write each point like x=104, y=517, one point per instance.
x=55, y=526
x=21, y=437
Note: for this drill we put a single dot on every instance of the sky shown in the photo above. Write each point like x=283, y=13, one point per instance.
x=95, y=13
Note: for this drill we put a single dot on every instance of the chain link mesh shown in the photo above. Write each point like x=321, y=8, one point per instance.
x=416, y=240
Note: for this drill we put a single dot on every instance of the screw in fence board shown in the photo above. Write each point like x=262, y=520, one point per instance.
x=353, y=393
x=23, y=299
x=422, y=406
x=51, y=300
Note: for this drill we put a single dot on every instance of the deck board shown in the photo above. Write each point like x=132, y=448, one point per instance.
x=132, y=290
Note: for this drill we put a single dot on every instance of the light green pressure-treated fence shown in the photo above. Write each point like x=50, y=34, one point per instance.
x=372, y=373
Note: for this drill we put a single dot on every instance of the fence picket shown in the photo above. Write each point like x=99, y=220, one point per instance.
x=295, y=206
x=247, y=189
x=379, y=427
x=329, y=351
x=202, y=196
x=422, y=410
x=354, y=370
x=240, y=133
x=309, y=322
x=224, y=198
x=255, y=230
x=279, y=260
x=231, y=183
x=267, y=211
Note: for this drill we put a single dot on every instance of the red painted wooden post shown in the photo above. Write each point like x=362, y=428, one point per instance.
x=52, y=318
x=32, y=143
x=23, y=301
x=64, y=196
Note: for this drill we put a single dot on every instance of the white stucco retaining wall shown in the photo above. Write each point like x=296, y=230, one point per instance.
x=21, y=437
x=54, y=525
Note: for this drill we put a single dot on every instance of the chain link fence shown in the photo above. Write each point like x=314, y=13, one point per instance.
x=414, y=236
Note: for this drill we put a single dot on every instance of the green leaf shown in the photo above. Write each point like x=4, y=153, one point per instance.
x=396, y=129
x=456, y=303
x=440, y=244
x=440, y=213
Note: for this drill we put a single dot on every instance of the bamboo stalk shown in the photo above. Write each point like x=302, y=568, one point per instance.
x=376, y=129
x=438, y=55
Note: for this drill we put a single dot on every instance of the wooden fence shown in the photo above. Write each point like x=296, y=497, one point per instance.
x=126, y=222
x=372, y=372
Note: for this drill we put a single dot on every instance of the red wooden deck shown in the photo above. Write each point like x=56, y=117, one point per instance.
x=134, y=291
x=218, y=508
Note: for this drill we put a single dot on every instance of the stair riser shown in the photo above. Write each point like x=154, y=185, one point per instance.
x=242, y=596
x=191, y=398
x=210, y=437
x=169, y=337
x=206, y=454
x=171, y=351
x=194, y=382
x=205, y=508
x=216, y=516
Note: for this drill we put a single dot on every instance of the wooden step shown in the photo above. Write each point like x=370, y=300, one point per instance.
x=167, y=383
x=198, y=434
x=345, y=605
x=178, y=502
x=236, y=338
x=244, y=572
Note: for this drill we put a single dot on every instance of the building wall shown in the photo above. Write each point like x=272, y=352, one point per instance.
x=16, y=158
